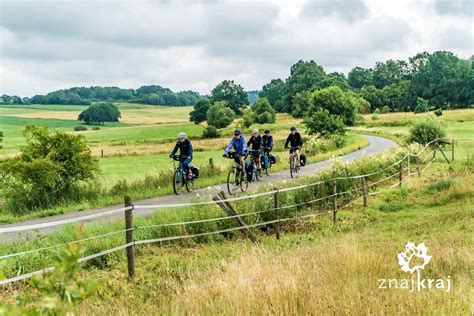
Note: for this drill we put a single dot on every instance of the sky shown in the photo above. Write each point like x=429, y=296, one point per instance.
x=194, y=45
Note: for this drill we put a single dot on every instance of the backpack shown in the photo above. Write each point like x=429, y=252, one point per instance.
x=195, y=172
x=273, y=159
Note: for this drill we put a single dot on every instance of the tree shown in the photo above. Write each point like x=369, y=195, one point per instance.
x=421, y=105
x=359, y=77
x=301, y=102
x=336, y=102
x=333, y=79
x=323, y=123
x=247, y=117
x=263, y=111
x=100, y=113
x=230, y=92
x=374, y=96
x=199, y=114
x=220, y=115
x=396, y=96
x=391, y=71
x=274, y=91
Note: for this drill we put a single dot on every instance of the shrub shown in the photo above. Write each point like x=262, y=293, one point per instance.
x=426, y=131
x=100, y=113
x=324, y=123
x=421, y=105
x=384, y=109
x=79, y=128
x=199, y=114
x=247, y=117
x=220, y=115
x=210, y=132
x=438, y=112
x=336, y=102
x=96, y=128
x=263, y=112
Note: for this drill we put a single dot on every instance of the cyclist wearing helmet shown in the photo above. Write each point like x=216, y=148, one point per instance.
x=267, y=144
x=296, y=142
x=185, y=150
x=239, y=144
x=256, y=142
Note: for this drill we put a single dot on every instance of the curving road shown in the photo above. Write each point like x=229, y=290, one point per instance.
x=376, y=145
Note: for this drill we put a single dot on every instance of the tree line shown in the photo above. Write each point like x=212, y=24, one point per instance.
x=153, y=94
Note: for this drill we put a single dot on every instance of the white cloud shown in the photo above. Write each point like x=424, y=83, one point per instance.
x=48, y=45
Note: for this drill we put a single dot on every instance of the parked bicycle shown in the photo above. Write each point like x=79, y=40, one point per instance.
x=236, y=178
x=294, y=164
x=256, y=172
x=181, y=178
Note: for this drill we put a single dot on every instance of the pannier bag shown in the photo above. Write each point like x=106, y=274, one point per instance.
x=195, y=171
x=273, y=159
x=303, y=159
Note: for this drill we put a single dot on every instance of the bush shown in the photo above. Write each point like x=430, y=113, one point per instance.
x=324, y=123
x=199, y=114
x=247, y=117
x=421, y=105
x=336, y=103
x=220, y=115
x=79, y=128
x=100, y=113
x=263, y=112
x=438, y=112
x=426, y=131
x=210, y=132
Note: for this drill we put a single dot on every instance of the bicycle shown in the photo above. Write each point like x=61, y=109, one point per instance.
x=294, y=167
x=256, y=173
x=180, y=176
x=268, y=165
x=236, y=178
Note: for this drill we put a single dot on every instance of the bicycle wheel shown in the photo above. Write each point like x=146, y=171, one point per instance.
x=292, y=167
x=258, y=173
x=190, y=185
x=178, y=181
x=244, y=183
x=233, y=181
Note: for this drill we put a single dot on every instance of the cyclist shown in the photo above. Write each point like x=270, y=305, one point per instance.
x=267, y=143
x=296, y=142
x=256, y=142
x=185, y=150
x=239, y=144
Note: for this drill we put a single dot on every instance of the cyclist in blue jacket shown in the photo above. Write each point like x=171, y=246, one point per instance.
x=185, y=150
x=239, y=144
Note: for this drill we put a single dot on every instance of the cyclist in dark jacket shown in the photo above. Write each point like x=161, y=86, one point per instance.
x=296, y=142
x=185, y=150
x=255, y=142
x=267, y=144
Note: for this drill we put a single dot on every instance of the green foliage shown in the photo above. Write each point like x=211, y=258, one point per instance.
x=100, y=113
x=210, y=132
x=421, y=105
x=324, y=123
x=95, y=128
x=199, y=114
x=263, y=112
x=438, y=112
x=247, y=117
x=336, y=102
x=359, y=77
x=274, y=91
x=301, y=102
x=441, y=185
x=59, y=290
x=79, y=128
x=426, y=131
x=220, y=115
x=233, y=94
x=49, y=170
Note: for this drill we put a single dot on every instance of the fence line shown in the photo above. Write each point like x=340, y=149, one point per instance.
x=171, y=238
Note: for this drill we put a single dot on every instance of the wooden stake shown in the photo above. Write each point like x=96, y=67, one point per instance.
x=277, y=214
x=364, y=191
x=334, y=192
x=129, y=237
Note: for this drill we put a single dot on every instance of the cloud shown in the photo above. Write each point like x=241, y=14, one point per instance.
x=454, y=7
x=347, y=10
x=188, y=44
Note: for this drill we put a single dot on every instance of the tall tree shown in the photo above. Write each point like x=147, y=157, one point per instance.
x=274, y=92
x=199, y=114
x=359, y=77
x=220, y=115
x=230, y=92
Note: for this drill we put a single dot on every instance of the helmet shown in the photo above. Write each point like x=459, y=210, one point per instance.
x=255, y=131
x=237, y=132
x=293, y=128
x=182, y=135
x=267, y=131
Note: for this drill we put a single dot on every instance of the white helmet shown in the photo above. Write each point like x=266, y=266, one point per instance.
x=182, y=135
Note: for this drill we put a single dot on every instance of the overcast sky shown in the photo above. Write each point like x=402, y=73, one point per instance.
x=50, y=45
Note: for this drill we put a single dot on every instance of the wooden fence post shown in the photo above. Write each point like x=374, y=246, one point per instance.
x=409, y=168
x=129, y=237
x=334, y=192
x=211, y=163
x=101, y=153
x=452, y=150
x=364, y=191
x=400, y=174
x=277, y=214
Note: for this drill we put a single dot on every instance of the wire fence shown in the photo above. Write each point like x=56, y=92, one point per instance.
x=321, y=198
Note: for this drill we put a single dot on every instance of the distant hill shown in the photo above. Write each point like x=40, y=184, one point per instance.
x=153, y=94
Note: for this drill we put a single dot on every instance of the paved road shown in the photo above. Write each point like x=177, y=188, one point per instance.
x=376, y=145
